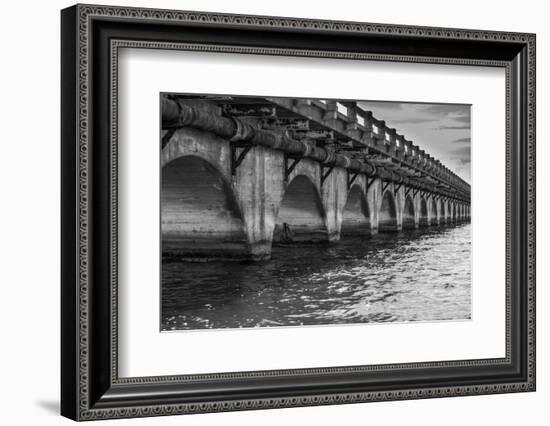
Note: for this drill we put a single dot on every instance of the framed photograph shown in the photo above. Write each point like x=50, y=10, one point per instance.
x=263, y=212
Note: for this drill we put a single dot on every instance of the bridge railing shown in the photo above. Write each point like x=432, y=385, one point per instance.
x=378, y=138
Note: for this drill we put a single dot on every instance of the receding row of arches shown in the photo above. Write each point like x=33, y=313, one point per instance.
x=388, y=218
x=200, y=210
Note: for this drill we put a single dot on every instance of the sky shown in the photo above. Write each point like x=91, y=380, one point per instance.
x=442, y=130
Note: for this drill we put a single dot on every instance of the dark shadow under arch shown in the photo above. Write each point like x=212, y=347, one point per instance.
x=356, y=216
x=387, y=216
x=433, y=218
x=408, y=214
x=200, y=216
x=443, y=213
x=301, y=215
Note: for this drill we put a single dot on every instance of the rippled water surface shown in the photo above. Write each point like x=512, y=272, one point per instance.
x=421, y=275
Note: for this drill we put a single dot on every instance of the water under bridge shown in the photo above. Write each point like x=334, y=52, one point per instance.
x=242, y=173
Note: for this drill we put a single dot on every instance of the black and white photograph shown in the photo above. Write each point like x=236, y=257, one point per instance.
x=280, y=206
x=279, y=212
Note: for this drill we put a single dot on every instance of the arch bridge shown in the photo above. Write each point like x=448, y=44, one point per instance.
x=242, y=173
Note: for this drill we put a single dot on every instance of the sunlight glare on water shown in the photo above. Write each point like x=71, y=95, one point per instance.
x=421, y=275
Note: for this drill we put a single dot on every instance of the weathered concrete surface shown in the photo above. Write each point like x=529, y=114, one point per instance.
x=258, y=183
x=200, y=215
x=389, y=219
x=301, y=213
x=409, y=220
x=356, y=218
x=423, y=218
x=433, y=213
x=208, y=212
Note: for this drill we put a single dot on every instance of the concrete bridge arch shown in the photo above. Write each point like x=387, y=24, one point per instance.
x=408, y=215
x=301, y=214
x=387, y=213
x=201, y=215
x=356, y=218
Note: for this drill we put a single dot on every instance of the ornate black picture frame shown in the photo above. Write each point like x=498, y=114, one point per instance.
x=91, y=36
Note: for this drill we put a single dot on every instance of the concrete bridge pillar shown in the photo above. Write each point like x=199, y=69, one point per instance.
x=455, y=212
x=433, y=212
x=334, y=191
x=423, y=212
x=220, y=201
x=374, y=199
x=442, y=212
x=258, y=182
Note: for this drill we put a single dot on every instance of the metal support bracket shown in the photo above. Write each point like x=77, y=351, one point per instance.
x=369, y=183
x=167, y=136
x=409, y=189
x=352, y=178
x=292, y=166
x=415, y=191
x=236, y=160
x=396, y=190
x=385, y=186
x=324, y=175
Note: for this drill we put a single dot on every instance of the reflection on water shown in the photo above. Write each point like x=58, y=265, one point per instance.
x=421, y=275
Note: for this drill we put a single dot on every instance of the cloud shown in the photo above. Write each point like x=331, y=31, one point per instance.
x=452, y=128
x=462, y=140
x=446, y=109
x=462, y=154
x=416, y=120
x=463, y=118
x=381, y=104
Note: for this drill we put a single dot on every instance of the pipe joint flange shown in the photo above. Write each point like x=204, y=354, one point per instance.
x=329, y=158
x=347, y=161
x=365, y=168
x=374, y=170
x=239, y=131
x=186, y=114
x=306, y=149
x=243, y=131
